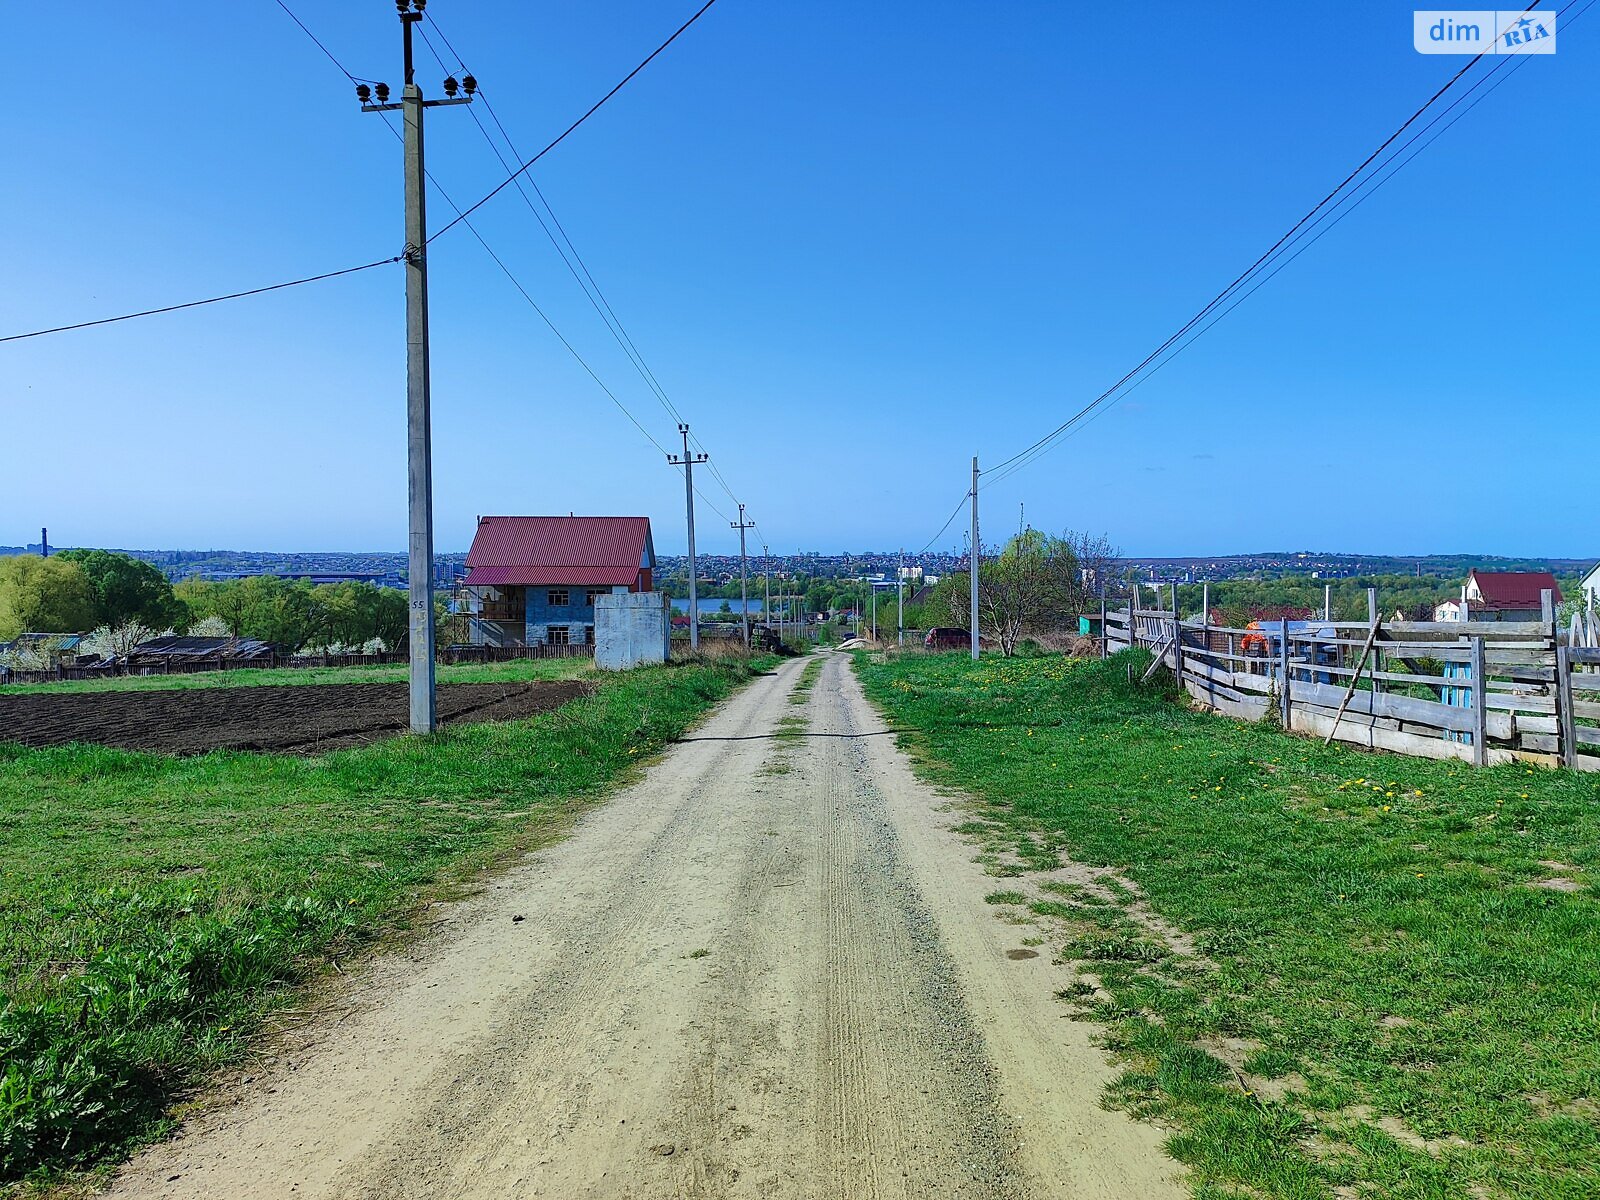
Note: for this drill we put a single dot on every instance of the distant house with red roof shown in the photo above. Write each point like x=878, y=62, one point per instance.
x=533, y=580
x=1501, y=596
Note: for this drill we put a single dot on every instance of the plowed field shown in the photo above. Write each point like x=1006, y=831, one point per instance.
x=294, y=720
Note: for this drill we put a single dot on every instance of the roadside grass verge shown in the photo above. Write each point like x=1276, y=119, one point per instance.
x=517, y=671
x=1334, y=973
x=154, y=910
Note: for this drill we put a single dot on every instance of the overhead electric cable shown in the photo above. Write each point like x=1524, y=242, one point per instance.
x=585, y=281
x=460, y=214
x=510, y=275
x=1354, y=197
x=151, y=312
x=503, y=184
x=1222, y=296
x=1360, y=199
x=572, y=258
x=960, y=504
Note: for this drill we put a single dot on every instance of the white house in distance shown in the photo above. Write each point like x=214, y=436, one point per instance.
x=1591, y=587
x=1501, y=596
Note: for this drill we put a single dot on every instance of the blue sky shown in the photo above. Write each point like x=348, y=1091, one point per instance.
x=857, y=243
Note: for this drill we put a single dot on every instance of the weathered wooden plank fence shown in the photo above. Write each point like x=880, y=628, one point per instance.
x=1482, y=691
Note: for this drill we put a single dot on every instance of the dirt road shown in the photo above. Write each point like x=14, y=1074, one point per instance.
x=766, y=970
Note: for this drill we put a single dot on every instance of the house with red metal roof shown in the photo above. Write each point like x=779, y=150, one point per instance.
x=1501, y=596
x=533, y=580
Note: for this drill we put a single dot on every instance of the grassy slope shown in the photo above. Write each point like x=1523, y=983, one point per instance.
x=1369, y=932
x=522, y=669
x=153, y=909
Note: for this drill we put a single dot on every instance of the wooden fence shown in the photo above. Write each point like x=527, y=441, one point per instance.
x=1482, y=691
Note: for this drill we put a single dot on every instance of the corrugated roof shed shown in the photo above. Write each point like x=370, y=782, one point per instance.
x=522, y=551
x=178, y=647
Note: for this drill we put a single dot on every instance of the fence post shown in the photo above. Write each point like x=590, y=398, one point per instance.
x=1177, y=640
x=1104, y=629
x=1569, y=733
x=1372, y=621
x=1480, y=705
x=1283, y=672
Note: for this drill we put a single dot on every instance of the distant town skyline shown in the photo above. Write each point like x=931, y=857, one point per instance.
x=389, y=564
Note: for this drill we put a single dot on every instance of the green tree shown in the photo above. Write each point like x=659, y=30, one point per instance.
x=288, y=613
x=43, y=595
x=127, y=590
x=1033, y=585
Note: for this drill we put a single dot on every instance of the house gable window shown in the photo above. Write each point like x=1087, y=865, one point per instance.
x=558, y=597
x=559, y=635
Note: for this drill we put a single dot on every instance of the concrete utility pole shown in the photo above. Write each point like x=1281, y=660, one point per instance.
x=687, y=462
x=419, y=452
x=744, y=591
x=976, y=556
x=900, y=601
x=766, y=579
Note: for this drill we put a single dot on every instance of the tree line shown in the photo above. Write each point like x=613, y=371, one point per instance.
x=125, y=600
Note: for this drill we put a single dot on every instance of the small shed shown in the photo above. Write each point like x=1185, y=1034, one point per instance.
x=177, y=650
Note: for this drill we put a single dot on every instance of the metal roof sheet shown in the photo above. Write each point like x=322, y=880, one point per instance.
x=1515, y=589
x=514, y=576
x=615, y=547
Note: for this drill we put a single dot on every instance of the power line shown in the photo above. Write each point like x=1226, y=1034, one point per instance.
x=1358, y=194
x=960, y=504
x=570, y=255
x=1223, y=295
x=461, y=215
x=1361, y=199
x=151, y=312
x=591, y=289
x=509, y=274
x=320, y=46
x=503, y=184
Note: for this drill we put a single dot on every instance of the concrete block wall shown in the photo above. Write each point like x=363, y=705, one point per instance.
x=577, y=616
x=631, y=629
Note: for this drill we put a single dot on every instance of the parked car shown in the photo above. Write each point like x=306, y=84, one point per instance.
x=949, y=639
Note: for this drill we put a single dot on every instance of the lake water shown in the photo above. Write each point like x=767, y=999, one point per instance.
x=681, y=604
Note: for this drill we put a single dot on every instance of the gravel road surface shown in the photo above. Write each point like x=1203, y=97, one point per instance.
x=765, y=970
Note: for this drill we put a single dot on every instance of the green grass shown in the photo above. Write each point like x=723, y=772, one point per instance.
x=516, y=671
x=808, y=680
x=154, y=910
x=1325, y=969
